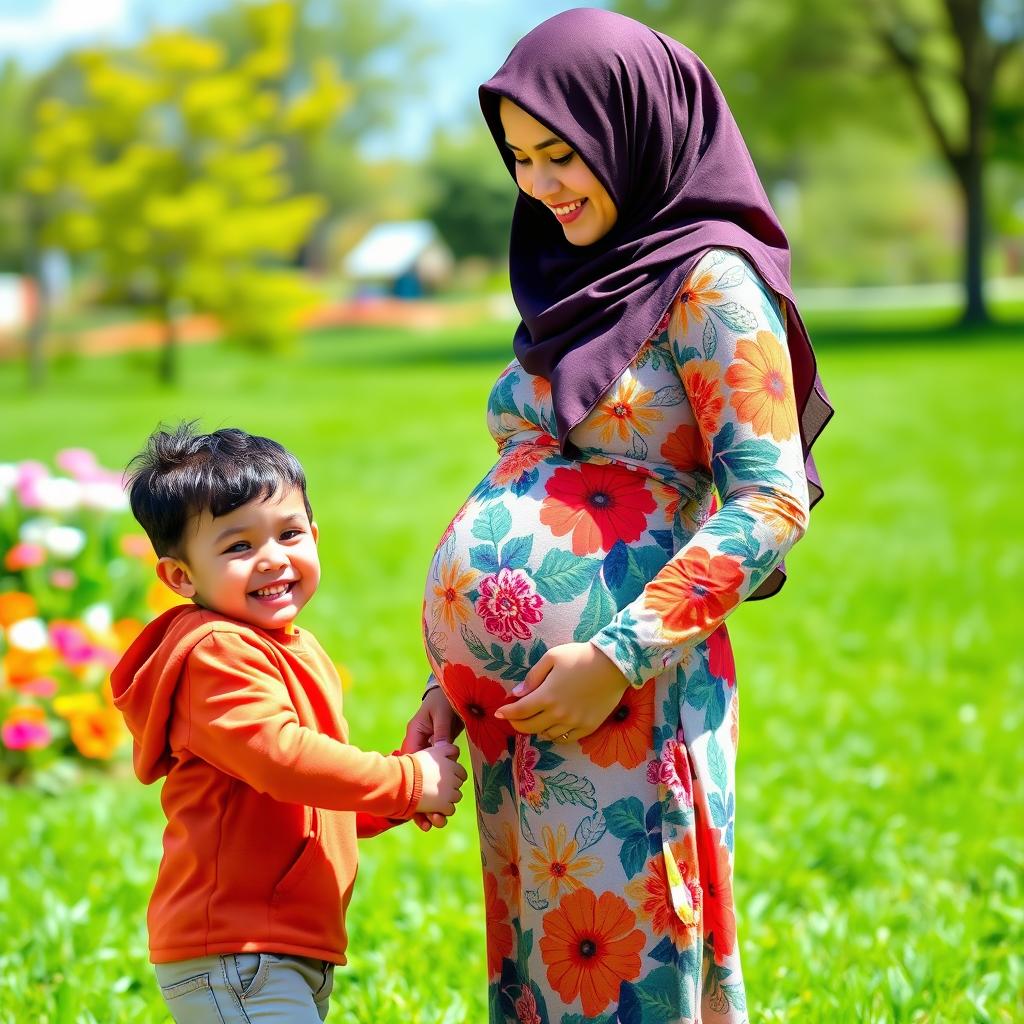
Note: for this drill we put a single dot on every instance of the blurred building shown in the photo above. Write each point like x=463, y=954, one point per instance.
x=406, y=259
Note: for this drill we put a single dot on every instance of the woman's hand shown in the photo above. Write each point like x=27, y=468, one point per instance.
x=434, y=722
x=567, y=694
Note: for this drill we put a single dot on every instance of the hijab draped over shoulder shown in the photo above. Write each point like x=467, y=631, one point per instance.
x=647, y=118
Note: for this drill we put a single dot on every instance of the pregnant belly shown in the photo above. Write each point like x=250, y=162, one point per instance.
x=545, y=551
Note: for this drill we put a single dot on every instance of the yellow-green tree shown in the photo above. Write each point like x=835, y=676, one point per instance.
x=163, y=168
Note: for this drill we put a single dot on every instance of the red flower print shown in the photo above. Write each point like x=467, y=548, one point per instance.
x=529, y=784
x=598, y=505
x=720, y=659
x=694, y=591
x=590, y=946
x=625, y=735
x=716, y=883
x=476, y=698
x=526, y=1008
x=509, y=604
x=673, y=770
x=499, y=932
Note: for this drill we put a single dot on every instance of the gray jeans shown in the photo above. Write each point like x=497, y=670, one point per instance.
x=247, y=988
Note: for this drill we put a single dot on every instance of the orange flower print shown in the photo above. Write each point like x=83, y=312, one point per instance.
x=668, y=497
x=520, y=458
x=509, y=873
x=625, y=736
x=499, y=931
x=450, y=603
x=696, y=293
x=716, y=883
x=590, y=946
x=598, y=505
x=763, y=386
x=702, y=384
x=781, y=515
x=541, y=388
x=683, y=449
x=557, y=866
x=694, y=591
x=651, y=894
x=625, y=410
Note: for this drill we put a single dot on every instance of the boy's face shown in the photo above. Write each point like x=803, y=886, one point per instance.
x=258, y=563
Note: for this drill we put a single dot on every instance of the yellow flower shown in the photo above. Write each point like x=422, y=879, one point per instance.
x=558, y=866
x=72, y=704
x=160, y=598
x=450, y=603
x=623, y=411
x=97, y=734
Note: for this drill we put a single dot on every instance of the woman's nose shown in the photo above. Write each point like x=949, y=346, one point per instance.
x=544, y=184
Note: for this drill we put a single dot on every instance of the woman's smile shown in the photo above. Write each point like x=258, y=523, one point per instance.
x=568, y=212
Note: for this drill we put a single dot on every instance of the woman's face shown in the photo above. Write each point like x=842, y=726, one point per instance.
x=553, y=172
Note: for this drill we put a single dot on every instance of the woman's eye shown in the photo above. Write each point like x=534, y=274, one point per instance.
x=521, y=160
x=562, y=160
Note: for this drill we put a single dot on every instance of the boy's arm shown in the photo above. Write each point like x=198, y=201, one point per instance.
x=241, y=720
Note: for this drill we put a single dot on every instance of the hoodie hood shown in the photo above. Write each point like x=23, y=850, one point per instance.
x=145, y=681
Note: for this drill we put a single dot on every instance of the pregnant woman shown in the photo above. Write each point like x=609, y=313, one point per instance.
x=653, y=434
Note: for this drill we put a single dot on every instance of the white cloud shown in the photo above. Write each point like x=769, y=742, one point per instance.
x=60, y=22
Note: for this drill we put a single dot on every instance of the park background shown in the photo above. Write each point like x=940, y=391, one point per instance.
x=181, y=194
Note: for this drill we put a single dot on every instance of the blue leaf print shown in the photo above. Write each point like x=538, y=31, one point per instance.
x=753, y=459
x=493, y=523
x=616, y=563
x=659, y=995
x=663, y=538
x=483, y=559
x=666, y=397
x=590, y=831
x=516, y=552
x=734, y=316
x=716, y=764
x=710, y=339
x=525, y=482
x=600, y=610
x=563, y=576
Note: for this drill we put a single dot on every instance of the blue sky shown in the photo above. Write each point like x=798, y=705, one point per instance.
x=474, y=37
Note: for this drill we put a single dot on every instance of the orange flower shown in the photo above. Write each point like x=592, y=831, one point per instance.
x=521, y=457
x=625, y=736
x=160, y=598
x=23, y=667
x=684, y=449
x=558, y=866
x=697, y=292
x=541, y=388
x=97, y=733
x=693, y=592
x=509, y=875
x=763, y=386
x=624, y=411
x=781, y=515
x=702, y=384
x=652, y=894
x=590, y=946
x=499, y=932
x=125, y=631
x=450, y=603
x=16, y=605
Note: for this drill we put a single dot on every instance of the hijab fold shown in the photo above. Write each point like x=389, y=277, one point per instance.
x=646, y=116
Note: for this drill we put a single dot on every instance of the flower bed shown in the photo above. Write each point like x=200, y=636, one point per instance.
x=76, y=585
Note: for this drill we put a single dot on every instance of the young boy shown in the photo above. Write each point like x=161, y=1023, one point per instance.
x=239, y=712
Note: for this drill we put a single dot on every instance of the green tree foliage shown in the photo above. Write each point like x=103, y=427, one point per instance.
x=798, y=72
x=163, y=164
x=473, y=195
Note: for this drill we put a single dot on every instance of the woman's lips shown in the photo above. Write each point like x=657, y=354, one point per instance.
x=574, y=209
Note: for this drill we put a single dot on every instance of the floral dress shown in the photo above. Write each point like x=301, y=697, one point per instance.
x=607, y=862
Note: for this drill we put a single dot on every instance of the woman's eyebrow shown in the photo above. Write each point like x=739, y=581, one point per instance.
x=540, y=145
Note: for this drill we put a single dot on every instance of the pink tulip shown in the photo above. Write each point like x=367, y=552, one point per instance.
x=24, y=556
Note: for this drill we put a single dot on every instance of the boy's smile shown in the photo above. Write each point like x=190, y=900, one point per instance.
x=258, y=563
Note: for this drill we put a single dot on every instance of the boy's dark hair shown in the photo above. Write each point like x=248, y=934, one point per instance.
x=181, y=473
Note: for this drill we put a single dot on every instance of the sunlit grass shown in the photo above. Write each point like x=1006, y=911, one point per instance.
x=879, y=859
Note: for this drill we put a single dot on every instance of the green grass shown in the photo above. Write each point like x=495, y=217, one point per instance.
x=879, y=847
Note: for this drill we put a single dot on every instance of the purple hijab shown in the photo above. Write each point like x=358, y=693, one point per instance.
x=650, y=122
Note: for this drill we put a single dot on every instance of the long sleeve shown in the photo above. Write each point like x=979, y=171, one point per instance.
x=242, y=720
x=729, y=347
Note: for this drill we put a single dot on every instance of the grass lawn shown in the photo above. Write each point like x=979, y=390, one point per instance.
x=879, y=858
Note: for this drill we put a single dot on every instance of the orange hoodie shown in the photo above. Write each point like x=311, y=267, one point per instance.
x=261, y=786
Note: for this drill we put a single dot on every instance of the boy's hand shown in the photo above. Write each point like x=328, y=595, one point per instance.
x=434, y=721
x=567, y=694
x=443, y=777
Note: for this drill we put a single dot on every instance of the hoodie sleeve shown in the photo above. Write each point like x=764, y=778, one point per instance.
x=240, y=719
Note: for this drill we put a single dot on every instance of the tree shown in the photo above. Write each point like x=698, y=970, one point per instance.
x=161, y=163
x=798, y=71
x=473, y=195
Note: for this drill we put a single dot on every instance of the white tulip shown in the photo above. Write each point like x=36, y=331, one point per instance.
x=64, y=541
x=58, y=494
x=34, y=531
x=28, y=634
x=98, y=617
x=109, y=497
